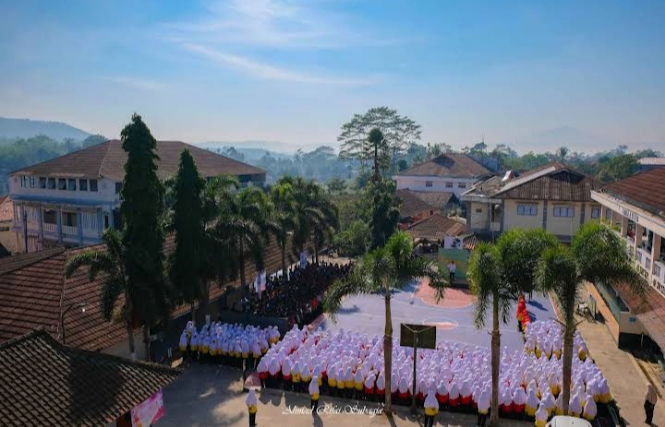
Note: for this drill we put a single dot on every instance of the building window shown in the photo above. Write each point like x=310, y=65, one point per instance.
x=51, y=184
x=33, y=182
x=449, y=185
x=49, y=217
x=527, y=210
x=564, y=211
x=93, y=185
x=62, y=184
x=106, y=221
x=24, y=181
x=461, y=185
x=69, y=219
x=608, y=214
x=71, y=184
x=478, y=210
x=42, y=182
x=83, y=184
x=595, y=213
x=428, y=183
x=118, y=187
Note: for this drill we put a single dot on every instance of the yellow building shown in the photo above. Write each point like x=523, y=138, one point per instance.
x=554, y=197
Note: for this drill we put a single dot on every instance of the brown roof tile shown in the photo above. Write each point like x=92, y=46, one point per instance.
x=412, y=205
x=449, y=165
x=437, y=199
x=108, y=158
x=646, y=189
x=437, y=226
x=46, y=383
x=33, y=292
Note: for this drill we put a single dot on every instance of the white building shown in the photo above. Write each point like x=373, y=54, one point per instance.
x=451, y=173
x=70, y=200
x=635, y=207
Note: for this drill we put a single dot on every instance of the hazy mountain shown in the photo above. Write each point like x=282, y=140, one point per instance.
x=567, y=136
x=26, y=128
x=250, y=149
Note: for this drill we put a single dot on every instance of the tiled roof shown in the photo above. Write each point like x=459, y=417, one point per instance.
x=47, y=384
x=108, y=159
x=437, y=199
x=646, y=189
x=33, y=292
x=650, y=309
x=436, y=226
x=412, y=205
x=553, y=182
x=449, y=165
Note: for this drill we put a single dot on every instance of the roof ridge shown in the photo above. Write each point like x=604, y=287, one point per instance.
x=108, y=143
x=40, y=330
x=187, y=146
x=46, y=253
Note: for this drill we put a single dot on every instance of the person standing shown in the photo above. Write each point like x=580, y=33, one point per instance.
x=431, y=408
x=314, y=394
x=252, y=403
x=452, y=269
x=650, y=403
x=483, y=406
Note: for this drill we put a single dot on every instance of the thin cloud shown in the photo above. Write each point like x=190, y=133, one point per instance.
x=274, y=23
x=271, y=72
x=135, y=82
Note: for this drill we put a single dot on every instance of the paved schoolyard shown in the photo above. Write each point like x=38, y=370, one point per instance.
x=453, y=316
x=211, y=396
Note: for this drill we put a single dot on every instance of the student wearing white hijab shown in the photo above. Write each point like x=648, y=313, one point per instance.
x=431, y=408
x=314, y=393
x=483, y=406
x=252, y=408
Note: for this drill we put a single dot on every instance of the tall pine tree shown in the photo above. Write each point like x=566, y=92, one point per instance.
x=142, y=212
x=186, y=263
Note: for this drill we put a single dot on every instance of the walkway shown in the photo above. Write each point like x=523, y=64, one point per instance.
x=626, y=380
x=211, y=396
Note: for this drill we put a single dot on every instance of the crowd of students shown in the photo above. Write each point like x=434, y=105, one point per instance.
x=298, y=294
x=456, y=375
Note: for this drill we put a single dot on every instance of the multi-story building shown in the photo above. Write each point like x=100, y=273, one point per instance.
x=635, y=207
x=450, y=173
x=554, y=197
x=70, y=200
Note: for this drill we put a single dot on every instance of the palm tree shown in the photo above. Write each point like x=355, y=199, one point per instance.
x=498, y=274
x=385, y=269
x=596, y=254
x=110, y=262
x=283, y=201
x=315, y=216
x=243, y=221
x=485, y=273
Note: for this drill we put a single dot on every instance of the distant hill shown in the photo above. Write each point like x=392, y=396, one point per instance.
x=563, y=136
x=26, y=128
x=247, y=148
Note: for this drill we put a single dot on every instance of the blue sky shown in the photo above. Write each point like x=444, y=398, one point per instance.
x=296, y=70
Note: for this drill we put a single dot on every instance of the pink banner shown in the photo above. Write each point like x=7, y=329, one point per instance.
x=149, y=412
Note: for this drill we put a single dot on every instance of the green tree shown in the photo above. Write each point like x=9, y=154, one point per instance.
x=186, y=262
x=618, y=168
x=485, y=275
x=384, y=270
x=142, y=212
x=596, y=255
x=355, y=239
x=244, y=222
x=399, y=132
x=377, y=143
x=380, y=206
x=284, y=202
x=111, y=262
x=336, y=186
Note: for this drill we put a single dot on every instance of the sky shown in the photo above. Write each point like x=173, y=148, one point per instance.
x=534, y=74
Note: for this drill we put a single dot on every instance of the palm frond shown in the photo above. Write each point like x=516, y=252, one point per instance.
x=355, y=284
x=485, y=273
x=111, y=291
